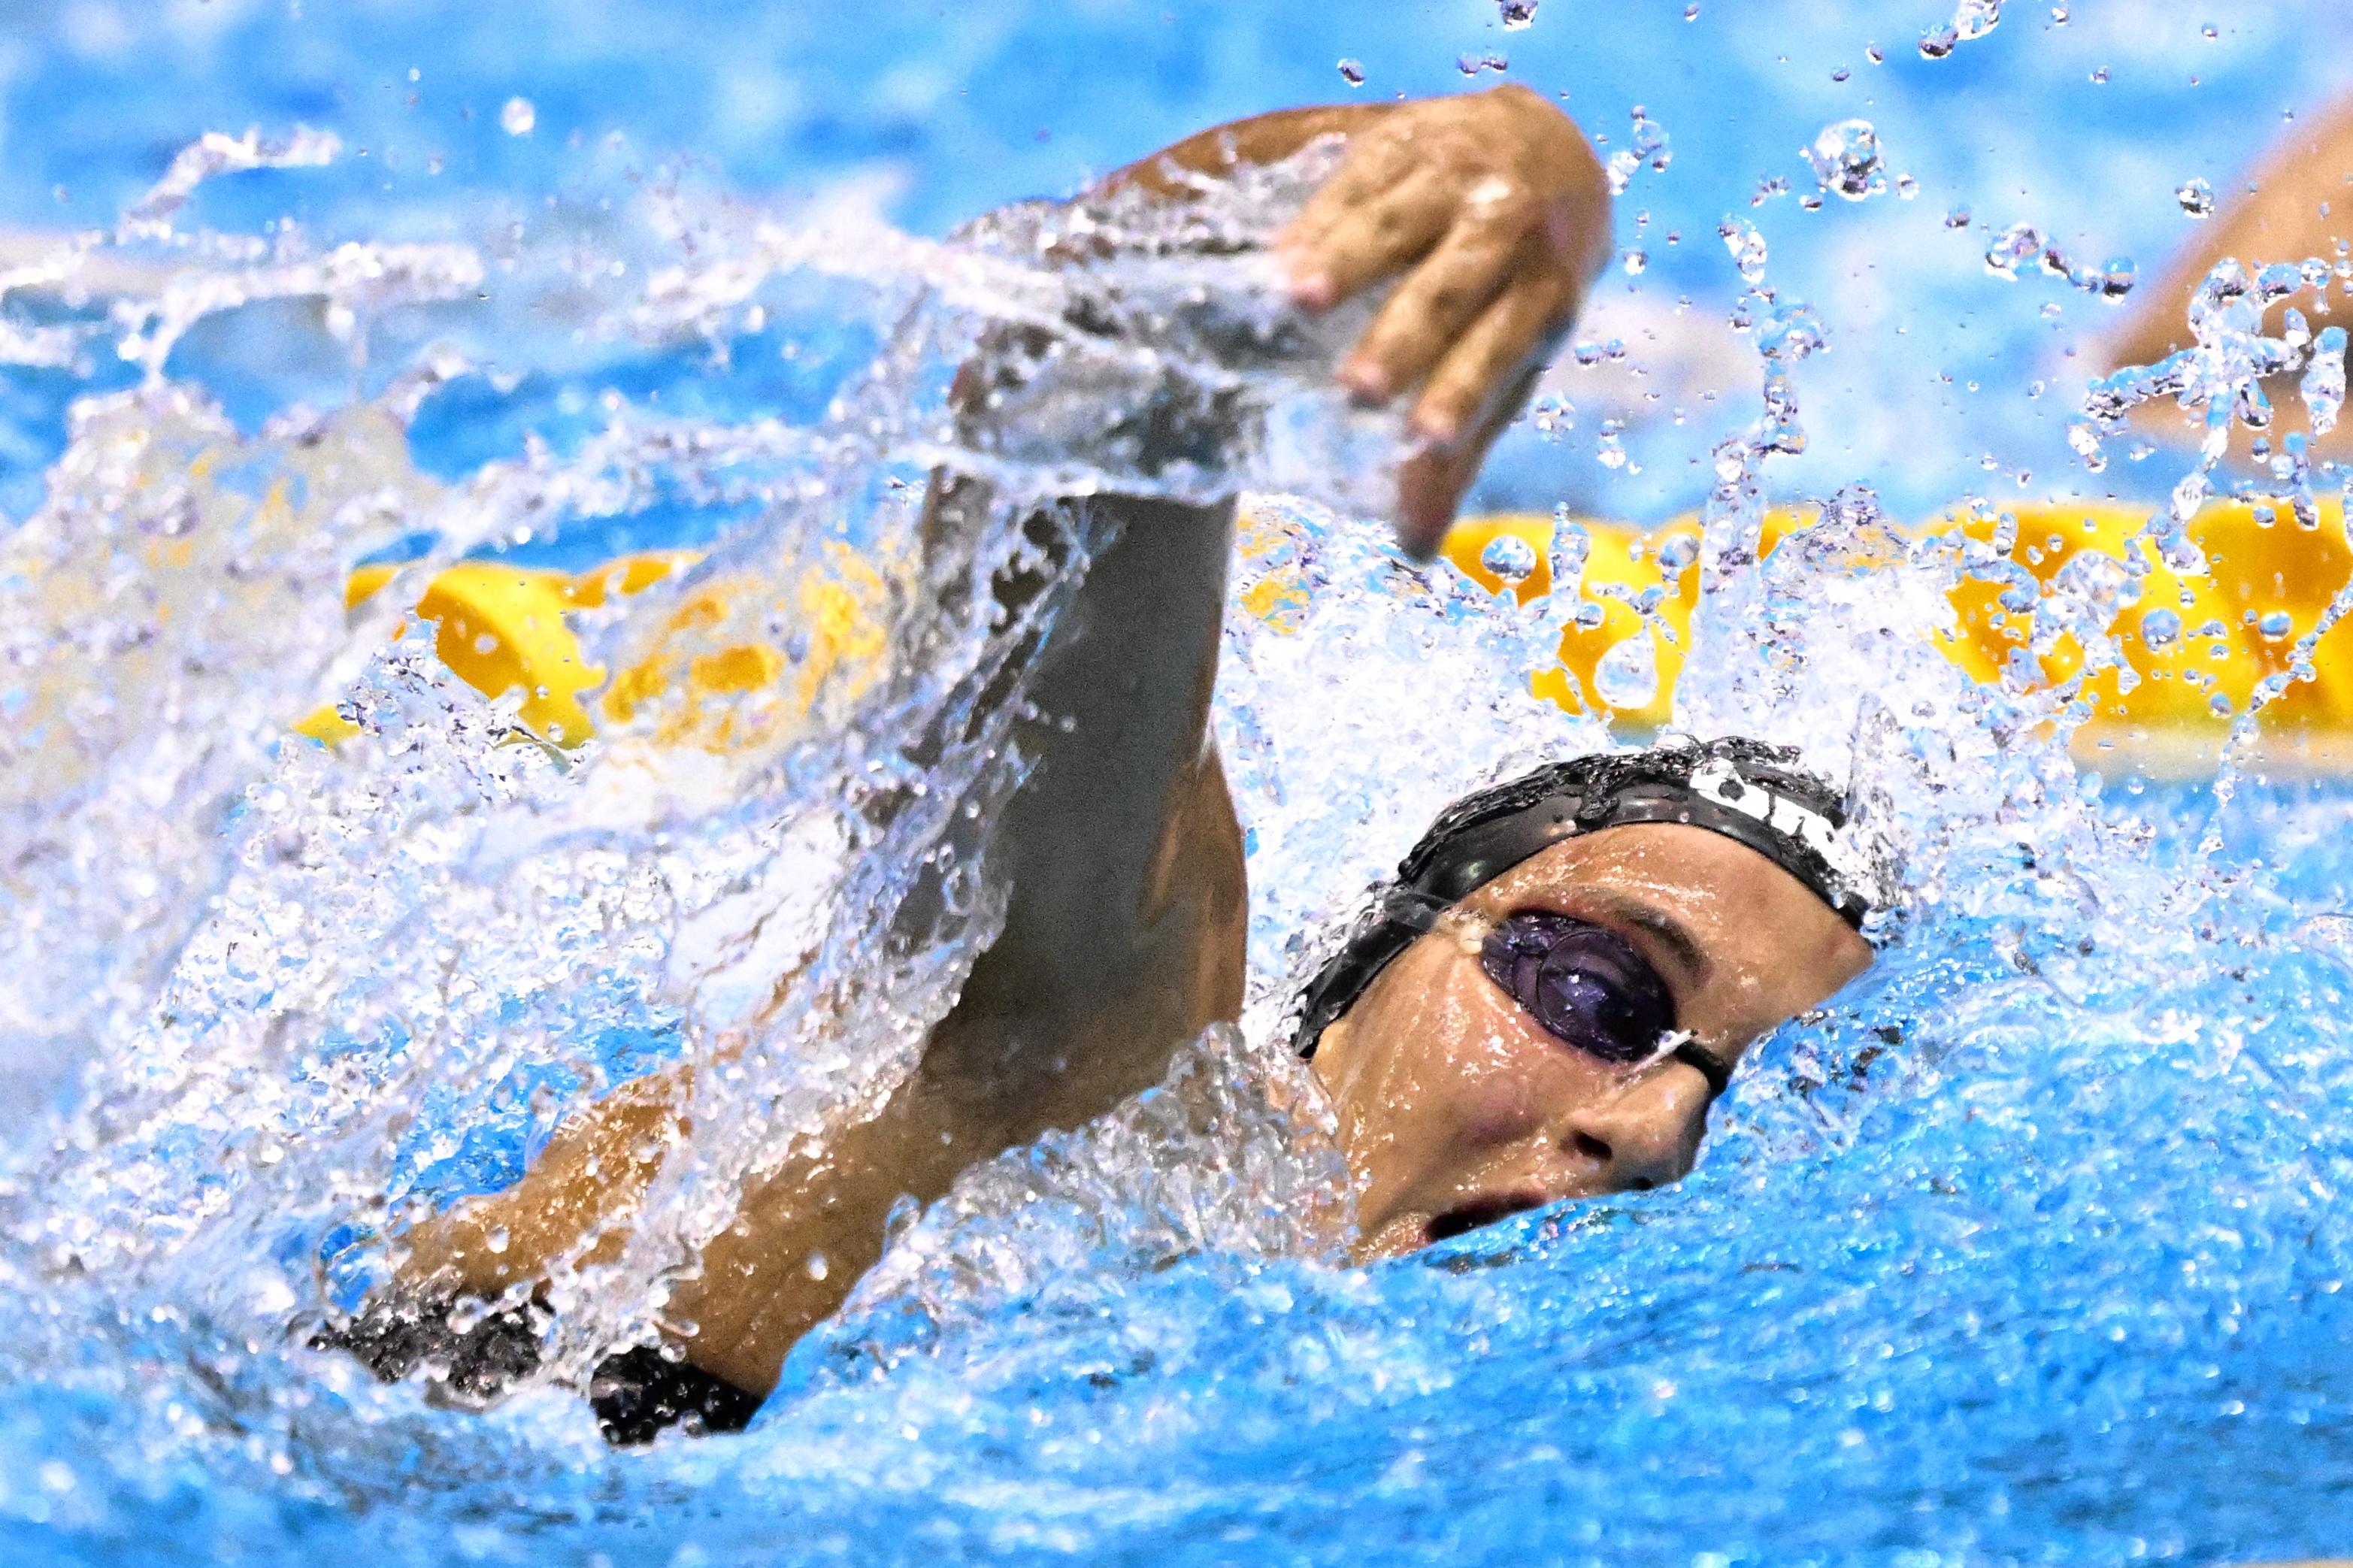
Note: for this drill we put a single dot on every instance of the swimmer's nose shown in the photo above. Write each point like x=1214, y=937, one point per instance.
x=1637, y=1139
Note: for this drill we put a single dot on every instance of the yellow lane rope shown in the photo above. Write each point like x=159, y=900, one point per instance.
x=504, y=629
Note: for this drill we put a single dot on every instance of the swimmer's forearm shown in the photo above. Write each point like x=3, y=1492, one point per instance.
x=587, y=1179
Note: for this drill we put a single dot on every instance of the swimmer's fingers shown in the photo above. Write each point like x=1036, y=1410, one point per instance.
x=1432, y=307
x=1369, y=240
x=1502, y=340
x=1430, y=482
x=1376, y=161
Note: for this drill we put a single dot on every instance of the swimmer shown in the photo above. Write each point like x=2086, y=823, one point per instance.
x=1543, y=1005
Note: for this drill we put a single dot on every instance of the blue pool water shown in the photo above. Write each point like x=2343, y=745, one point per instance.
x=2027, y=1250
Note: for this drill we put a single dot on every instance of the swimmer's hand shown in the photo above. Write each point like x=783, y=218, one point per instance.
x=1495, y=212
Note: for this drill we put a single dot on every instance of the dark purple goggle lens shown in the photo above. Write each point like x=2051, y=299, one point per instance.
x=1584, y=983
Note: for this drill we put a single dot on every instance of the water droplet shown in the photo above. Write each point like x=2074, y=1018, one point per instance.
x=1691, y=12
x=2160, y=629
x=815, y=1267
x=1845, y=157
x=1906, y=186
x=1634, y=261
x=2276, y=626
x=1841, y=74
x=1353, y=72
x=1627, y=677
x=2018, y=242
x=2100, y=77
x=1516, y=14
x=1957, y=218
x=1875, y=53
x=1677, y=553
x=1648, y=140
x=1471, y=65
x=1510, y=558
x=1972, y=19
x=2219, y=705
x=2322, y=386
x=1747, y=247
x=2210, y=31
x=1646, y=143
x=2197, y=198
x=518, y=116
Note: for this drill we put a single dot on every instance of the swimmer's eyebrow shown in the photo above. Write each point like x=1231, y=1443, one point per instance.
x=1669, y=931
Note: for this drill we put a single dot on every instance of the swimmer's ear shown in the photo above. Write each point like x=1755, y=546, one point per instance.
x=1332, y=1048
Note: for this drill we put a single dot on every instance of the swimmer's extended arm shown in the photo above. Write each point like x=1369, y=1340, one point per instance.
x=1124, y=928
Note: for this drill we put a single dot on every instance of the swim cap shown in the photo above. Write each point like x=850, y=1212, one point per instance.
x=1741, y=789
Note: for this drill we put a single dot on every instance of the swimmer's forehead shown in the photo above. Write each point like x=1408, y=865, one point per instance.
x=1704, y=897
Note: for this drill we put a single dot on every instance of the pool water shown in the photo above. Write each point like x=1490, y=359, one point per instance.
x=2026, y=1248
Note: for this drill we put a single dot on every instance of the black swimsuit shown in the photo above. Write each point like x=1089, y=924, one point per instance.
x=637, y=1393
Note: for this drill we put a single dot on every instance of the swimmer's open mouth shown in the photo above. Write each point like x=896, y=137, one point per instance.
x=1479, y=1212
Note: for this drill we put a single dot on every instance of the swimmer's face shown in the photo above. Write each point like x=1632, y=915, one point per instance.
x=1460, y=1102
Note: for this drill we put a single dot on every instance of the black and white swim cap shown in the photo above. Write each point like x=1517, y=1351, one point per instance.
x=1744, y=790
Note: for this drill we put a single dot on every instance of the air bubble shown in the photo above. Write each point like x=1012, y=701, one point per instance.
x=2197, y=198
